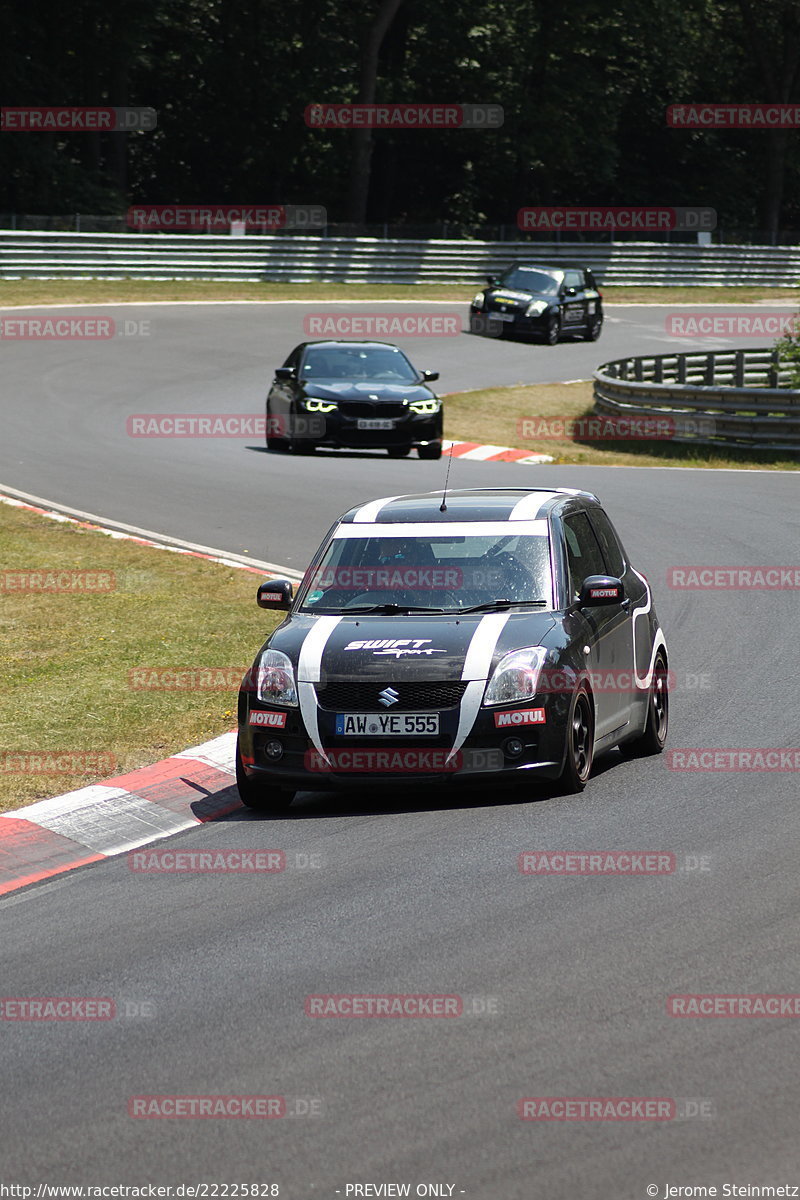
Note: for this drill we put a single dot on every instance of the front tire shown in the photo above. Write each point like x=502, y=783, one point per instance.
x=398, y=451
x=654, y=738
x=552, y=330
x=593, y=330
x=579, y=745
x=432, y=451
x=258, y=796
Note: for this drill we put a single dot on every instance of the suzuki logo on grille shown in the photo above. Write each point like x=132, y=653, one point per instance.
x=388, y=697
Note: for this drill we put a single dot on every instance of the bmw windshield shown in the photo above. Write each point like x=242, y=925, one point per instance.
x=383, y=364
x=441, y=572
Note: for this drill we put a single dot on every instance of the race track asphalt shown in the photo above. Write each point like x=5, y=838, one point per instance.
x=573, y=973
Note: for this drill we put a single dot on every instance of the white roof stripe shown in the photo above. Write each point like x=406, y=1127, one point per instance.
x=529, y=506
x=368, y=512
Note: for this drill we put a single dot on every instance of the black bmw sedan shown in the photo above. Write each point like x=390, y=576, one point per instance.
x=506, y=638
x=541, y=302
x=358, y=395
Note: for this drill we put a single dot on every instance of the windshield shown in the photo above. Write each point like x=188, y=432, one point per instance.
x=444, y=573
x=358, y=362
x=528, y=279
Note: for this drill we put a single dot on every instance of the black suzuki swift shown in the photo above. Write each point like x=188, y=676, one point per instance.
x=541, y=302
x=506, y=636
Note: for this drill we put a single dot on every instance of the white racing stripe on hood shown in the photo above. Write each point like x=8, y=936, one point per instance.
x=477, y=662
x=308, y=673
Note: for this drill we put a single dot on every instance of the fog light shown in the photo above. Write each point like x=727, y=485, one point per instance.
x=512, y=747
x=273, y=750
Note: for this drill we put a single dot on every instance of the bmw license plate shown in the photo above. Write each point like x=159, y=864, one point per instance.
x=387, y=724
x=375, y=423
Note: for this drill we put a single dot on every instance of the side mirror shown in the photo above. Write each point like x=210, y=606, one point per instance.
x=275, y=593
x=285, y=372
x=598, y=591
x=490, y=279
x=429, y=376
x=570, y=291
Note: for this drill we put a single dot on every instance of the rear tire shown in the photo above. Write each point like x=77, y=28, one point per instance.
x=432, y=451
x=654, y=738
x=260, y=797
x=580, y=745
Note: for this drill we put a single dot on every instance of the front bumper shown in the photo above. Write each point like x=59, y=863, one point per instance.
x=396, y=762
x=412, y=429
x=487, y=321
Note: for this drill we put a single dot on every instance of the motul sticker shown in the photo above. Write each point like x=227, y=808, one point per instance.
x=275, y=720
x=272, y=596
x=519, y=716
x=603, y=593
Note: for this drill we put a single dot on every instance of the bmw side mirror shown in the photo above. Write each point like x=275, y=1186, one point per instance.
x=275, y=593
x=597, y=591
x=285, y=372
x=429, y=376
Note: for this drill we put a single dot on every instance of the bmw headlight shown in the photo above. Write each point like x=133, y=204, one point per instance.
x=425, y=407
x=321, y=406
x=536, y=308
x=276, y=679
x=479, y=300
x=516, y=676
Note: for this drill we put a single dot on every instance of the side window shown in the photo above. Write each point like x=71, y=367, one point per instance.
x=573, y=279
x=583, y=551
x=609, y=542
x=294, y=358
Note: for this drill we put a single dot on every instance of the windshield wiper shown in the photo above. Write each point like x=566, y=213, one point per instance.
x=494, y=604
x=389, y=608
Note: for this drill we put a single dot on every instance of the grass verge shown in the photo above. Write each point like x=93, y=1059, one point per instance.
x=66, y=657
x=99, y=291
x=493, y=416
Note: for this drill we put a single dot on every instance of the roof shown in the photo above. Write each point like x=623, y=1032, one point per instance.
x=465, y=505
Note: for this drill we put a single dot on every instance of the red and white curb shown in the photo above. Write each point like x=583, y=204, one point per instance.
x=119, y=814
x=475, y=452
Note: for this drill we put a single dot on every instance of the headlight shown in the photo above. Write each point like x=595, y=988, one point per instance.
x=516, y=676
x=276, y=679
x=536, y=308
x=479, y=300
x=320, y=406
x=425, y=407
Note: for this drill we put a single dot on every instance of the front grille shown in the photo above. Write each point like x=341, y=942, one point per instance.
x=364, y=696
x=362, y=408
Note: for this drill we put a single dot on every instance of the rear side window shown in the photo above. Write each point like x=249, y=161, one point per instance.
x=609, y=542
x=584, y=555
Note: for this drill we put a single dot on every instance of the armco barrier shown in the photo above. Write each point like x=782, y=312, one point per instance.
x=735, y=396
x=297, y=258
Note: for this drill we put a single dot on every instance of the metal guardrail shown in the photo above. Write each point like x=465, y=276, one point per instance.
x=717, y=398
x=298, y=258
